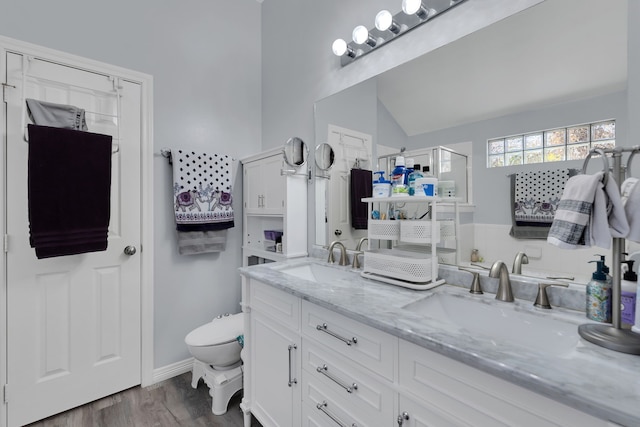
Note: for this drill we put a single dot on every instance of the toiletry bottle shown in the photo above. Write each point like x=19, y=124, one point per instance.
x=411, y=180
x=381, y=187
x=628, y=288
x=599, y=295
x=398, y=187
x=409, y=168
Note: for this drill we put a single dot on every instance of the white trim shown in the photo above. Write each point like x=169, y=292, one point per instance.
x=172, y=370
x=146, y=168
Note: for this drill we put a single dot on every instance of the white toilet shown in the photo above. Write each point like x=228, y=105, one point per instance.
x=216, y=353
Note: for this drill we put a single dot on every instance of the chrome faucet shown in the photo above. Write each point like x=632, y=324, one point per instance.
x=343, y=253
x=521, y=258
x=500, y=271
x=358, y=251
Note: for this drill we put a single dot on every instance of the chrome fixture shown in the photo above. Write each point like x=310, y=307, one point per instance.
x=542, y=300
x=343, y=253
x=500, y=271
x=475, y=283
x=521, y=258
x=388, y=27
x=356, y=262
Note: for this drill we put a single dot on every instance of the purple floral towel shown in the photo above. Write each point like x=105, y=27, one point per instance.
x=534, y=199
x=202, y=190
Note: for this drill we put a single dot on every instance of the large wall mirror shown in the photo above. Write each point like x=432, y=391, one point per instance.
x=556, y=64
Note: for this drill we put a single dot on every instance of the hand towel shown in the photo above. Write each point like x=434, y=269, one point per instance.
x=631, y=201
x=202, y=200
x=202, y=190
x=56, y=115
x=534, y=200
x=572, y=217
x=199, y=242
x=361, y=185
x=69, y=191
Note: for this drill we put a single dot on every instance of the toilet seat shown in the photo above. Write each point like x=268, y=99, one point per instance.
x=220, y=330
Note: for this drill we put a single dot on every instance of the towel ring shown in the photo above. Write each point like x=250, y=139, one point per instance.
x=605, y=162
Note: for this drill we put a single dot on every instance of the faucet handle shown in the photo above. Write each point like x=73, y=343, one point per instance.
x=542, y=300
x=475, y=283
x=356, y=262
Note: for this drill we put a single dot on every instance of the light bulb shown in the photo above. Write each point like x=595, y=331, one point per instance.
x=384, y=19
x=339, y=47
x=360, y=34
x=410, y=7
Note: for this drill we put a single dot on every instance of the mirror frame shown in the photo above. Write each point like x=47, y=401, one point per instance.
x=290, y=151
x=319, y=159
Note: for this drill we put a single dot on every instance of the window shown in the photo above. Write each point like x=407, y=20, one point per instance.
x=553, y=145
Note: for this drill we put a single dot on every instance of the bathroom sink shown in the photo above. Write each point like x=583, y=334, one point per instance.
x=316, y=272
x=498, y=323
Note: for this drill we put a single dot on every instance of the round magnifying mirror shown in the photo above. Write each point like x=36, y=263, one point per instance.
x=325, y=157
x=295, y=152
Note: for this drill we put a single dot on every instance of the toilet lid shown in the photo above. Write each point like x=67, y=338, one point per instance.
x=219, y=331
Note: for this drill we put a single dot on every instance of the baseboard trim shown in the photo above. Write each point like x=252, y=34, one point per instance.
x=172, y=370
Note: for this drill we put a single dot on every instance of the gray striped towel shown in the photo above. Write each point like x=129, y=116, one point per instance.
x=571, y=222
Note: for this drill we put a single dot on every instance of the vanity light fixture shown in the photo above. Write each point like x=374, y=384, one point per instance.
x=384, y=21
x=340, y=48
x=361, y=35
x=417, y=7
x=388, y=27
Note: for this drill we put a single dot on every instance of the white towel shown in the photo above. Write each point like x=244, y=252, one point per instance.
x=631, y=200
x=199, y=242
x=571, y=221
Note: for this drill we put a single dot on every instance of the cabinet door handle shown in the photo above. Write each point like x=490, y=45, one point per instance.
x=291, y=379
x=402, y=418
x=324, y=371
x=323, y=407
x=347, y=341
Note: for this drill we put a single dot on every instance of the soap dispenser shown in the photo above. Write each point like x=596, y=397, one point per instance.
x=381, y=187
x=598, y=305
x=628, y=285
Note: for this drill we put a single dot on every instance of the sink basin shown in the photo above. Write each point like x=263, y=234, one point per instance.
x=316, y=272
x=499, y=323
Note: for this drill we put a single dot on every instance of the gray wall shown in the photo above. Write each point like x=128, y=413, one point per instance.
x=207, y=95
x=491, y=186
x=298, y=67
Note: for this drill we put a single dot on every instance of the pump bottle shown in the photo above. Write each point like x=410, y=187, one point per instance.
x=398, y=187
x=598, y=303
x=628, y=284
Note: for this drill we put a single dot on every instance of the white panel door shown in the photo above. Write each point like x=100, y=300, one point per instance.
x=351, y=149
x=73, y=321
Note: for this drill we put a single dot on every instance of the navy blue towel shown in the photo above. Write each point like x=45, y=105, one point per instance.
x=361, y=186
x=69, y=191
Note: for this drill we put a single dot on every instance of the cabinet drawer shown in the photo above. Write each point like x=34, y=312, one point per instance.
x=365, y=345
x=478, y=398
x=358, y=389
x=322, y=406
x=277, y=304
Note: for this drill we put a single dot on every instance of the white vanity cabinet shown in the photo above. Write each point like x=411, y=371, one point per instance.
x=274, y=198
x=308, y=365
x=272, y=383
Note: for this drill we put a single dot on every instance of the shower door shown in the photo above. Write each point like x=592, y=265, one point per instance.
x=73, y=322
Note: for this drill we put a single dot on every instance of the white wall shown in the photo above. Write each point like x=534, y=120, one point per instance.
x=207, y=95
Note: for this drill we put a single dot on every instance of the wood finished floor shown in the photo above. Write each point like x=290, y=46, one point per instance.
x=167, y=404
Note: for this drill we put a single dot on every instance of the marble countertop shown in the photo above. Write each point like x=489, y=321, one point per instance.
x=590, y=378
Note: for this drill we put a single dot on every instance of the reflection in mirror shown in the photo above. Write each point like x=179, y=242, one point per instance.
x=487, y=85
x=295, y=152
x=325, y=157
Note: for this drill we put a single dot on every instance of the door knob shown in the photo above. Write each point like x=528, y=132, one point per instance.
x=130, y=250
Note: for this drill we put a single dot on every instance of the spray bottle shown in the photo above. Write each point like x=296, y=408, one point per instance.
x=598, y=305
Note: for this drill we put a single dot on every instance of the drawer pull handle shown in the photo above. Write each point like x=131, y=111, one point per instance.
x=402, y=418
x=324, y=371
x=291, y=380
x=347, y=341
x=322, y=406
